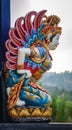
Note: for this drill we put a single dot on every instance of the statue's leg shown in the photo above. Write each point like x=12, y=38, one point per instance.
x=35, y=104
x=43, y=100
x=34, y=96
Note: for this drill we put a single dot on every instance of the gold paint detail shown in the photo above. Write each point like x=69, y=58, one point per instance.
x=28, y=96
x=48, y=104
x=24, y=113
x=14, y=94
x=47, y=113
x=41, y=95
x=53, y=20
x=41, y=70
x=34, y=97
x=25, y=88
x=13, y=113
x=37, y=113
x=30, y=112
x=45, y=47
x=37, y=75
x=46, y=63
x=51, y=25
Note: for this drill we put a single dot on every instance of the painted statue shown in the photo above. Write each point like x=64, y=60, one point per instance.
x=28, y=57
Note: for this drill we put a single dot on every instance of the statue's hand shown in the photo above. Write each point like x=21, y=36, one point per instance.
x=27, y=72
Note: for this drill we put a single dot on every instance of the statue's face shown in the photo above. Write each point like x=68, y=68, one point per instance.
x=54, y=42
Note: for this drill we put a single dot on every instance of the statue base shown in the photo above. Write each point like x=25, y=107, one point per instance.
x=18, y=114
x=30, y=120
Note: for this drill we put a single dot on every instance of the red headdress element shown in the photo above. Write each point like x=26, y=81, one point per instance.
x=38, y=19
x=20, y=29
x=28, y=21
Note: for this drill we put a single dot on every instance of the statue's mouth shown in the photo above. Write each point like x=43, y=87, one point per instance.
x=56, y=45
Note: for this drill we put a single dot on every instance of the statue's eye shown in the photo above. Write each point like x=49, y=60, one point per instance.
x=51, y=38
x=57, y=38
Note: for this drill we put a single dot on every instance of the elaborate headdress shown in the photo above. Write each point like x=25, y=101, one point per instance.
x=27, y=32
x=51, y=25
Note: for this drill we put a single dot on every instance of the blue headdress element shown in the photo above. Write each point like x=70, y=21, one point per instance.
x=34, y=36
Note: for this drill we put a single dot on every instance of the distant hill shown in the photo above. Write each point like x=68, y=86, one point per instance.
x=57, y=82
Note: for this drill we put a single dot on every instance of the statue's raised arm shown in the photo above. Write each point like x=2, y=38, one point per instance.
x=28, y=57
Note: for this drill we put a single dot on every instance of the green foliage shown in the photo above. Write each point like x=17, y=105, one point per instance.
x=69, y=106
x=62, y=108
x=60, y=81
x=59, y=85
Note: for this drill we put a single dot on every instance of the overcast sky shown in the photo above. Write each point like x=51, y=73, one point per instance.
x=62, y=55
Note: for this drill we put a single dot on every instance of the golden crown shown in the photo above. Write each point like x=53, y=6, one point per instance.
x=51, y=24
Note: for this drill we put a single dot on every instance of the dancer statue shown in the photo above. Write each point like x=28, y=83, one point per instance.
x=28, y=57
